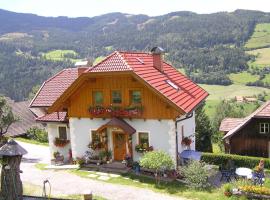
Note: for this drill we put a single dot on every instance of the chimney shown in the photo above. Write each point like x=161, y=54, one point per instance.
x=157, y=53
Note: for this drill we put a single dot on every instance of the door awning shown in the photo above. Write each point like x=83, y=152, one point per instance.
x=119, y=123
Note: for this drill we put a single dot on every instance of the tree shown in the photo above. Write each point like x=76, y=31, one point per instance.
x=158, y=161
x=6, y=116
x=33, y=92
x=204, y=130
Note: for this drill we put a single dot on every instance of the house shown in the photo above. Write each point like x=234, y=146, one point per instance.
x=26, y=118
x=248, y=136
x=128, y=103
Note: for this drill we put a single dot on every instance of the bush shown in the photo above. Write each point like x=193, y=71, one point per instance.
x=37, y=134
x=240, y=161
x=157, y=160
x=196, y=175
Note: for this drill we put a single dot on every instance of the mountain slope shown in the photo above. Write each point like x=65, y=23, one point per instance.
x=208, y=46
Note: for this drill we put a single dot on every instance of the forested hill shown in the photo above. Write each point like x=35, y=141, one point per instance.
x=207, y=46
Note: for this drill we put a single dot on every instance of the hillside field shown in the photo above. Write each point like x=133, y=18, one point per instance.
x=218, y=93
x=60, y=54
x=243, y=78
x=262, y=57
x=260, y=38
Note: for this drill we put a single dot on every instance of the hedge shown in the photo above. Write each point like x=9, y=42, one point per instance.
x=240, y=161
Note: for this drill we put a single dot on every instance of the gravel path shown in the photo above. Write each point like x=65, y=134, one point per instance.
x=65, y=183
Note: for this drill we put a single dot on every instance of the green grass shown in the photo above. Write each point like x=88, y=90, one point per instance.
x=172, y=188
x=35, y=190
x=266, y=78
x=262, y=57
x=260, y=37
x=243, y=78
x=59, y=55
x=98, y=59
x=31, y=141
x=210, y=107
x=41, y=166
x=219, y=92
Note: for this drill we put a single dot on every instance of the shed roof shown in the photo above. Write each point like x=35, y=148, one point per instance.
x=12, y=148
x=262, y=112
x=228, y=124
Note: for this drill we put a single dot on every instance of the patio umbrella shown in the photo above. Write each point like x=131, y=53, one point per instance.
x=190, y=154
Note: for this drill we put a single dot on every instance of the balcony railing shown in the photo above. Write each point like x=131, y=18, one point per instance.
x=116, y=111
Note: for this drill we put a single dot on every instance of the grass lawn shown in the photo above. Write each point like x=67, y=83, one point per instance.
x=172, y=188
x=219, y=92
x=243, y=78
x=35, y=190
x=262, y=57
x=59, y=55
x=260, y=37
x=31, y=141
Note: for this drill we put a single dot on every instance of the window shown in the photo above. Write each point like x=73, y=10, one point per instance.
x=264, y=128
x=136, y=97
x=97, y=98
x=144, y=139
x=62, y=132
x=95, y=136
x=116, y=97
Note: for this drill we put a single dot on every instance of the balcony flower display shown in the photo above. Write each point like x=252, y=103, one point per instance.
x=117, y=111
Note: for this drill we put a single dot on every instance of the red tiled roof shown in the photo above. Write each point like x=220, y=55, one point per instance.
x=187, y=97
x=53, y=117
x=261, y=112
x=54, y=87
x=228, y=124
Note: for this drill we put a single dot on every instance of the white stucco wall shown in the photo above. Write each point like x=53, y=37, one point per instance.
x=161, y=134
x=189, y=131
x=52, y=129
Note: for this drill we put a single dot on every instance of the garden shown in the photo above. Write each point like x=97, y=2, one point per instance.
x=196, y=179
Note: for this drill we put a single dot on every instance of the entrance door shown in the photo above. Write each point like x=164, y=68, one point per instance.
x=119, y=145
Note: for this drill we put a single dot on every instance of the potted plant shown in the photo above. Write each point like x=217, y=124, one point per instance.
x=102, y=155
x=186, y=141
x=227, y=190
x=109, y=156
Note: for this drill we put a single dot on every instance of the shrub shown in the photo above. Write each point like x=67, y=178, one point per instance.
x=241, y=161
x=37, y=134
x=157, y=160
x=196, y=175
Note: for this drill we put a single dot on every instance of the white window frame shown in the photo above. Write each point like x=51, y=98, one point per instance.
x=149, y=138
x=264, y=126
x=66, y=131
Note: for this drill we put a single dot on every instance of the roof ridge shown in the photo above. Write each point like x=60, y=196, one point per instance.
x=124, y=60
x=103, y=60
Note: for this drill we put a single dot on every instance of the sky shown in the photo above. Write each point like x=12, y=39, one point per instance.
x=90, y=8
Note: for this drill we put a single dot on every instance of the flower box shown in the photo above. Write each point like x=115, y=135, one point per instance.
x=116, y=111
x=186, y=141
x=60, y=142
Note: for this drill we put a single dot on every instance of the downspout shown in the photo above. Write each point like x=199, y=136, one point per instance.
x=188, y=116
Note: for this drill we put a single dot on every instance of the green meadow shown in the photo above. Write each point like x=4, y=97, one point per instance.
x=60, y=55
x=243, y=78
x=260, y=38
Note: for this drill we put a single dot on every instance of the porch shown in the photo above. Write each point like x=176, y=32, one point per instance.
x=111, y=142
